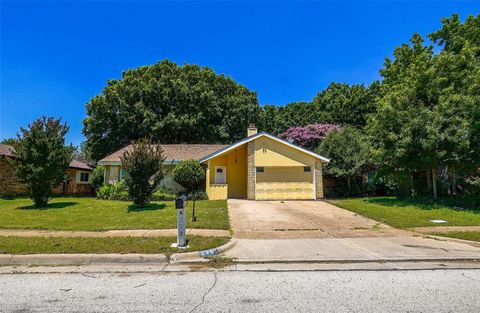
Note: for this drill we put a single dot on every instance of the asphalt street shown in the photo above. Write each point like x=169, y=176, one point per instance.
x=321, y=291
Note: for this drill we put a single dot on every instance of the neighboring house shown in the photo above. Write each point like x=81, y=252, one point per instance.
x=259, y=167
x=76, y=182
x=173, y=154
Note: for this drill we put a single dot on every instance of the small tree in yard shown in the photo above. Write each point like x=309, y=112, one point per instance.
x=191, y=175
x=143, y=165
x=98, y=178
x=41, y=157
x=348, y=151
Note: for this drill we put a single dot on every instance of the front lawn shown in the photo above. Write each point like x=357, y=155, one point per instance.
x=149, y=245
x=90, y=214
x=406, y=213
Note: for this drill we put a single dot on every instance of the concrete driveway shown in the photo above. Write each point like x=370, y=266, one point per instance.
x=316, y=231
x=301, y=220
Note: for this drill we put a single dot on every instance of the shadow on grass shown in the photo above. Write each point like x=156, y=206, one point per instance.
x=148, y=207
x=50, y=206
x=428, y=203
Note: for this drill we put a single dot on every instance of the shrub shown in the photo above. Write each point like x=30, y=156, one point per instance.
x=97, y=178
x=163, y=196
x=190, y=174
x=113, y=191
x=197, y=195
x=119, y=192
x=144, y=165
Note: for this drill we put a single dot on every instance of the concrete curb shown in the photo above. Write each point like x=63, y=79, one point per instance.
x=90, y=259
x=81, y=259
x=201, y=256
x=356, y=261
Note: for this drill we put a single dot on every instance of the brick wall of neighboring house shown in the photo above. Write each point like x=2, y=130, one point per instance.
x=112, y=176
x=9, y=184
x=72, y=186
x=319, y=180
x=251, y=170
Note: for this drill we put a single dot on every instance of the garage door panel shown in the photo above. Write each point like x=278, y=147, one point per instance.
x=284, y=190
x=284, y=183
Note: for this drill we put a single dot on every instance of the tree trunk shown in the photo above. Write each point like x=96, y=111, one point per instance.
x=454, y=182
x=194, y=218
x=412, y=186
x=434, y=182
x=429, y=180
x=349, y=185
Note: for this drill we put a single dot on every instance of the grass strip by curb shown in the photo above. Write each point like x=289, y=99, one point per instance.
x=464, y=235
x=145, y=245
x=404, y=214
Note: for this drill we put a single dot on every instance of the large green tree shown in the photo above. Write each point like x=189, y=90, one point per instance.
x=41, y=157
x=401, y=127
x=170, y=104
x=426, y=119
x=340, y=104
x=278, y=119
x=348, y=150
x=344, y=104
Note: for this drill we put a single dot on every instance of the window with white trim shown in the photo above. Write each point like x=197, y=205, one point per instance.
x=84, y=176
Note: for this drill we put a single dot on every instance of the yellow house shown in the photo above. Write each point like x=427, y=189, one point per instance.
x=259, y=167
x=264, y=167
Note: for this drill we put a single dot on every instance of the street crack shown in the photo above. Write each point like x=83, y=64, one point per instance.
x=206, y=293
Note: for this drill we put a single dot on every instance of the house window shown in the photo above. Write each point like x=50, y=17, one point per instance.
x=260, y=169
x=219, y=170
x=307, y=169
x=84, y=176
x=122, y=174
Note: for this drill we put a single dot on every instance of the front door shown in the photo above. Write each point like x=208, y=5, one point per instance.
x=220, y=174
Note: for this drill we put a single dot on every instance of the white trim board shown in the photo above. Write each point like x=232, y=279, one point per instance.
x=263, y=134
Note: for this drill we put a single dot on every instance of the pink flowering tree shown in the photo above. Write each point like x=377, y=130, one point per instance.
x=309, y=136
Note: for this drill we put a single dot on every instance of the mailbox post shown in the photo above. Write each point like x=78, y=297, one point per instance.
x=180, y=204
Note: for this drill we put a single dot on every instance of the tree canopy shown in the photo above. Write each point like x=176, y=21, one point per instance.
x=190, y=174
x=144, y=167
x=310, y=136
x=427, y=114
x=170, y=104
x=41, y=157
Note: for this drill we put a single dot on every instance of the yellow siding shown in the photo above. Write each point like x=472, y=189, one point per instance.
x=236, y=163
x=269, y=152
x=237, y=172
x=217, y=192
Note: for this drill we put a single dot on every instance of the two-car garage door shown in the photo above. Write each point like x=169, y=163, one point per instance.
x=284, y=183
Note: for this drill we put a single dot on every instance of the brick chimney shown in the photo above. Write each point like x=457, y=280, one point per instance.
x=251, y=130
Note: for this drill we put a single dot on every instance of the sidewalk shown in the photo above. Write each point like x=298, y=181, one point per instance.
x=387, y=249
x=115, y=233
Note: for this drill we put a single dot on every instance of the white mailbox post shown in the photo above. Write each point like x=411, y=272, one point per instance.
x=180, y=204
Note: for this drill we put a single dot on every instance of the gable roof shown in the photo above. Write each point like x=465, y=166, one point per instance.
x=262, y=134
x=7, y=151
x=80, y=165
x=172, y=153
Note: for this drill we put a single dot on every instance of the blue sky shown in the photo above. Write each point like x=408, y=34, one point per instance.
x=56, y=56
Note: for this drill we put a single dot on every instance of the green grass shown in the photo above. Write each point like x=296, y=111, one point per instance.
x=90, y=214
x=148, y=245
x=465, y=235
x=406, y=213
